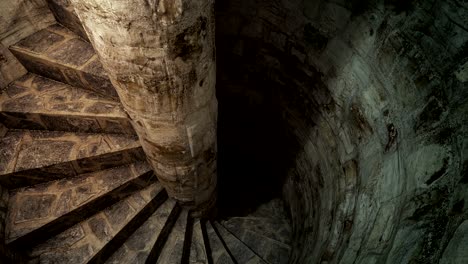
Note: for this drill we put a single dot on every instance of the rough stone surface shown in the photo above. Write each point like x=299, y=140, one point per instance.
x=137, y=247
x=456, y=248
x=270, y=250
x=31, y=157
x=33, y=207
x=172, y=250
x=160, y=57
x=35, y=102
x=276, y=229
x=59, y=54
x=219, y=255
x=81, y=242
x=19, y=19
x=373, y=97
x=65, y=14
x=238, y=249
x=198, y=253
x=10, y=68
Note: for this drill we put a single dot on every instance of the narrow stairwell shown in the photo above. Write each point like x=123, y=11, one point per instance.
x=80, y=189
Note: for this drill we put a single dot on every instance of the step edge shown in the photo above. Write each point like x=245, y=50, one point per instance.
x=123, y=234
x=33, y=236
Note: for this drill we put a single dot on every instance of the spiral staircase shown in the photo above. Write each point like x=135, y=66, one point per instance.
x=80, y=190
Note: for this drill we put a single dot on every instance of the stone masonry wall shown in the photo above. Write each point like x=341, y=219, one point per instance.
x=374, y=95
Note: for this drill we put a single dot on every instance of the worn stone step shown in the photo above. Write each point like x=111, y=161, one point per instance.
x=58, y=53
x=39, y=103
x=215, y=247
x=32, y=157
x=274, y=209
x=163, y=236
x=90, y=240
x=137, y=247
x=198, y=254
x=40, y=211
x=270, y=250
x=65, y=14
x=173, y=248
x=274, y=228
x=239, y=250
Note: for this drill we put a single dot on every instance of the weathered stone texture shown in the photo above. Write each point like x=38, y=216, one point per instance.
x=33, y=207
x=198, y=254
x=35, y=102
x=373, y=96
x=10, y=68
x=456, y=248
x=173, y=247
x=160, y=57
x=241, y=252
x=19, y=19
x=59, y=54
x=219, y=255
x=137, y=248
x=81, y=242
x=268, y=248
x=31, y=157
x=65, y=15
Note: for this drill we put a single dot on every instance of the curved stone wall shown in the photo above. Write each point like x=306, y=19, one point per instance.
x=368, y=109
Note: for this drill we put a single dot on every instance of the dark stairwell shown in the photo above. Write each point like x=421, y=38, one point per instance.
x=341, y=138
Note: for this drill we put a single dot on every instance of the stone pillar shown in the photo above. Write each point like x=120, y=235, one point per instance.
x=160, y=56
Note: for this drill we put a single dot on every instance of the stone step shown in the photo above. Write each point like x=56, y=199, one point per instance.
x=239, y=250
x=163, y=236
x=57, y=53
x=273, y=228
x=32, y=157
x=138, y=246
x=47, y=209
x=198, y=253
x=274, y=209
x=65, y=14
x=173, y=248
x=38, y=103
x=216, y=249
x=270, y=250
x=103, y=233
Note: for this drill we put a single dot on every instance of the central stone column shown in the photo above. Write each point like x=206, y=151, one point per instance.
x=160, y=56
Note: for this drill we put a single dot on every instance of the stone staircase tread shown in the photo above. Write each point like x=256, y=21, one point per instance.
x=238, y=249
x=62, y=55
x=31, y=157
x=172, y=250
x=44, y=204
x=138, y=246
x=274, y=229
x=270, y=250
x=36, y=102
x=198, y=253
x=219, y=253
x=273, y=209
x=82, y=242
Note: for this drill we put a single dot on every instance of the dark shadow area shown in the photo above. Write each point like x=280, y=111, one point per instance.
x=269, y=100
x=256, y=146
x=252, y=143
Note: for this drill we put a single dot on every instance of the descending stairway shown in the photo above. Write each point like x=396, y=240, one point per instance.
x=80, y=188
